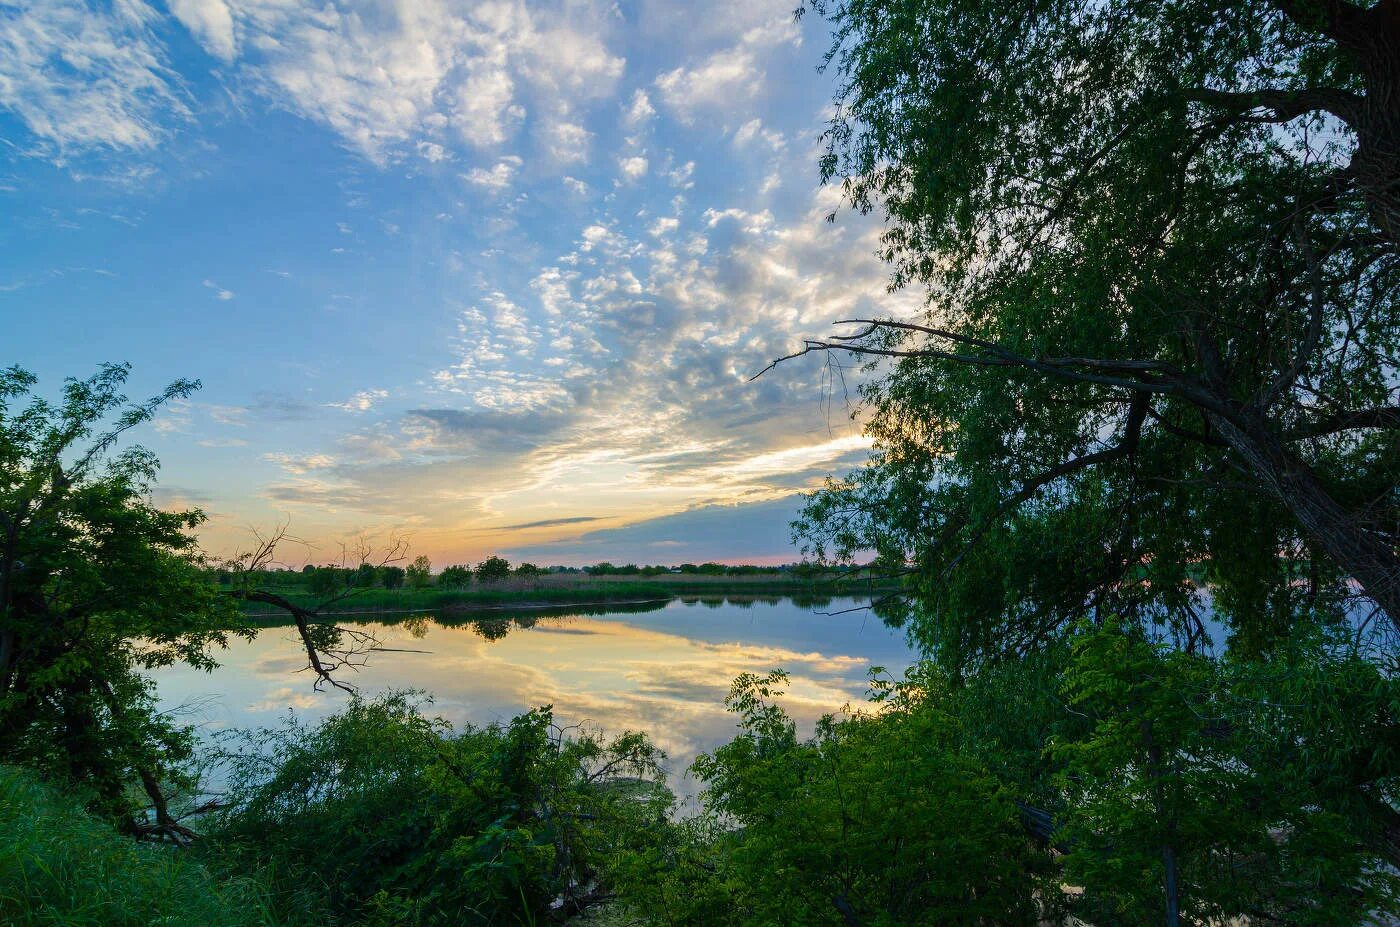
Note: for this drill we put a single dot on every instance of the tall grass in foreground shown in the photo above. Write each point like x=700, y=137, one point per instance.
x=60, y=866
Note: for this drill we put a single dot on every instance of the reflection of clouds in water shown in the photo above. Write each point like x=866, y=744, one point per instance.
x=615, y=672
x=287, y=697
x=278, y=665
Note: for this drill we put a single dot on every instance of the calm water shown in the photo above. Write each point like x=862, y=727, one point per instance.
x=664, y=670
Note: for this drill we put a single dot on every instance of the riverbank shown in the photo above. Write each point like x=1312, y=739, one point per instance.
x=561, y=591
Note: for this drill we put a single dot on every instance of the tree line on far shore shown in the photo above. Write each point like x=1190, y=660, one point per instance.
x=330, y=578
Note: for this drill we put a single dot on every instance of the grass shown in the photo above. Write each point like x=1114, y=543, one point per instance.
x=566, y=589
x=60, y=866
x=502, y=595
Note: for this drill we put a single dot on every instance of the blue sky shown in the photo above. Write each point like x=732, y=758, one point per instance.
x=491, y=274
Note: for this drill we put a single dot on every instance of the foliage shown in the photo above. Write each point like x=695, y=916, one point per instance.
x=528, y=570
x=419, y=574
x=455, y=577
x=492, y=570
x=366, y=576
x=97, y=584
x=1253, y=787
x=59, y=866
x=381, y=815
x=391, y=577
x=327, y=581
x=1158, y=281
x=1142, y=434
x=878, y=819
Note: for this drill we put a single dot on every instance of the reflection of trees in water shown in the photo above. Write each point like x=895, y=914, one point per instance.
x=492, y=629
x=498, y=623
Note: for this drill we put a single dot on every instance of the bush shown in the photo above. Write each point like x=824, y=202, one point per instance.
x=380, y=815
x=60, y=866
x=492, y=569
x=878, y=819
x=455, y=577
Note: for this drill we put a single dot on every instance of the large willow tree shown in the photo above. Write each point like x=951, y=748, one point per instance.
x=1160, y=243
x=1161, y=247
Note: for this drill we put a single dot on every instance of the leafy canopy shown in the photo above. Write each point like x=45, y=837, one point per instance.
x=97, y=584
x=1159, y=250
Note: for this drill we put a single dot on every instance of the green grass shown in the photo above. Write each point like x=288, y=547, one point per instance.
x=491, y=597
x=59, y=867
x=565, y=590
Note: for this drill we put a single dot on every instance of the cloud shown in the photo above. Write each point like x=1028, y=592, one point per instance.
x=219, y=291
x=566, y=142
x=279, y=407
x=633, y=168
x=639, y=111
x=728, y=76
x=389, y=77
x=81, y=78
x=210, y=22
x=722, y=79
x=299, y=464
x=362, y=401
x=546, y=523
x=756, y=532
x=498, y=177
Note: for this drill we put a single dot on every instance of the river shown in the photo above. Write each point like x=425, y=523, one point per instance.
x=664, y=669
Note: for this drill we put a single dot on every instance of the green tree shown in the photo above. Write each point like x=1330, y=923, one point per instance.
x=528, y=570
x=877, y=819
x=492, y=570
x=97, y=585
x=1215, y=786
x=455, y=577
x=391, y=577
x=383, y=815
x=1158, y=243
x=419, y=574
x=326, y=581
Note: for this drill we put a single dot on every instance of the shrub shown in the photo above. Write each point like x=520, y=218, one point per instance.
x=492, y=569
x=383, y=815
x=877, y=819
x=61, y=866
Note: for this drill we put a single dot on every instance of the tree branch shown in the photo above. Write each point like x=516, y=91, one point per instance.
x=1285, y=105
x=1384, y=418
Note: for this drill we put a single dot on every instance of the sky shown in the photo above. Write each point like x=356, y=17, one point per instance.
x=493, y=276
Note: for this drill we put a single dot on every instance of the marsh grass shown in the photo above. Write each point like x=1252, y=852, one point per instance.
x=61, y=866
x=571, y=589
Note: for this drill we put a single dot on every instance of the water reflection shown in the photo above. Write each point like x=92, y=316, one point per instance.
x=663, y=668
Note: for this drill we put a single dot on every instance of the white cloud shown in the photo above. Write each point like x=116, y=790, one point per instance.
x=82, y=79
x=300, y=463
x=433, y=153
x=386, y=75
x=726, y=77
x=210, y=22
x=498, y=177
x=753, y=130
x=362, y=401
x=639, y=112
x=566, y=142
x=633, y=168
x=219, y=291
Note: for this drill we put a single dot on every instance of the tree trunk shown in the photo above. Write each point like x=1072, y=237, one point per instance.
x=1366, y=557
